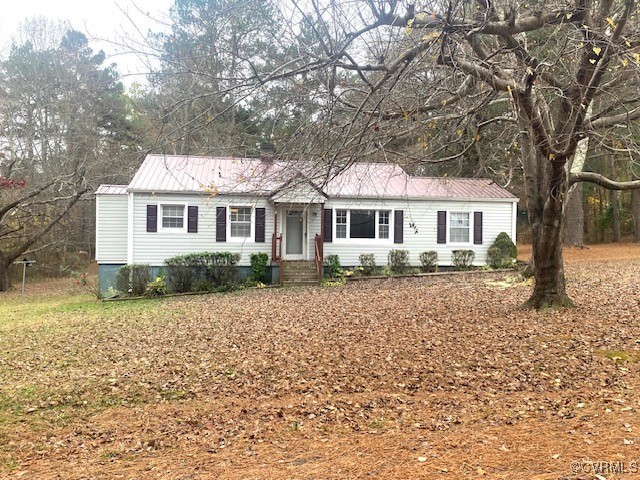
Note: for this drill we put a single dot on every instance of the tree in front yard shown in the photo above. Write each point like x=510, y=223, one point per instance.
x=62, y=117
x=425, y=81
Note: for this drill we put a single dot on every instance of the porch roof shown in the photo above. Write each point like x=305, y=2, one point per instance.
x=298, y=190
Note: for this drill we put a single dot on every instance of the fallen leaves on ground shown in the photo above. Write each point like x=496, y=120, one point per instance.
x=412, y=378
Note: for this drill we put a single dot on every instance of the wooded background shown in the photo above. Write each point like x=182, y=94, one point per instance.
x=319, y=80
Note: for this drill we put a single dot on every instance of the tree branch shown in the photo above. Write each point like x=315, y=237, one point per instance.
x=9, y=206
x=621, y=118
x=603, y=181
x=17, y=251
x=501, y=27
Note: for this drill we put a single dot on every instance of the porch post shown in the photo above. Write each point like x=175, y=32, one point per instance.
x=321, y=213
x=274, y=241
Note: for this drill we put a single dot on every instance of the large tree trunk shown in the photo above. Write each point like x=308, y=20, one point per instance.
x=635, y=212
x=545, y=182
x=574, y=218
x=5, y=283
x=545, y=188
x=550, y=288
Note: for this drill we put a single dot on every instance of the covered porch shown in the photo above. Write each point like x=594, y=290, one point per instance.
x=297, y=242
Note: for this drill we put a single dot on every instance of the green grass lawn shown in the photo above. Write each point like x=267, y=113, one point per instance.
x=52, y=309
x=48, y=360
x=15, y=314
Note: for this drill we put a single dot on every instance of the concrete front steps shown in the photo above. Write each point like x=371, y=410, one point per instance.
x=296, y=273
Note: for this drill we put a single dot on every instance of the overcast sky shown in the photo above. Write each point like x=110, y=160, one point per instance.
x=98, y=19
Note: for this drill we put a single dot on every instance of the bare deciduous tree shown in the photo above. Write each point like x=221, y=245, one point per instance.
x=496, y=86
x=425, y=81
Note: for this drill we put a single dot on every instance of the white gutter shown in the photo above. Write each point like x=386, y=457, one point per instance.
x=514, y=218
x=336, y=197
x=130, y=230
x=97, y=227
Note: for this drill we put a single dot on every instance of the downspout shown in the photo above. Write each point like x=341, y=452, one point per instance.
x=130, y=229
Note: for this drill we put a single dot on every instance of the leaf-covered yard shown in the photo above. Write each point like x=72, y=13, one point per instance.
x=418, y=378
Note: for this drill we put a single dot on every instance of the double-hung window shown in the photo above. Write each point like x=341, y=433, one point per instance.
x=341, y=224
x=459, y=227
x=383, y=224
x=173, y=216
x=240, y=222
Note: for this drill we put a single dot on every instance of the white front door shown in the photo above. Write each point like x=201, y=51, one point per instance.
x=294, y=234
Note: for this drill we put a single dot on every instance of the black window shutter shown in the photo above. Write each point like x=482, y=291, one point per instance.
x=260, y=224
x=152, y=218
x=327, y=235
x=221, y=224
x=477, y=228
x=398, y=226
x=192, y=219
x=442, y=227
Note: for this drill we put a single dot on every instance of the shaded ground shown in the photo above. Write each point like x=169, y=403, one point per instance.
x=419, y=378
x=612, y=251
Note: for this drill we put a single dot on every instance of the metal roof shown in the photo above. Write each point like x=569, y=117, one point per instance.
x=177, y=173
x=458, y=188
x=112, y=190
x=228, y=175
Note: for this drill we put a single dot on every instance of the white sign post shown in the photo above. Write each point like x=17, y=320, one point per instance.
x=25, y=263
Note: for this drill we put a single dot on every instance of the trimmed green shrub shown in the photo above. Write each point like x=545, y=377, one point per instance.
x=180, y=275
x=429, y=261
x=368, y=263
x=133, y=279
x=217, y=268
x=220, y=268
x=202, y=286
x=334, y=268
x=225, y=287
x=502, y=253
x=398, y=261
x=156, y=288
x=259, y=263
x=463, y=259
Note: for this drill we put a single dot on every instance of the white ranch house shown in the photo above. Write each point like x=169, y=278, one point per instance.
x=187, y=204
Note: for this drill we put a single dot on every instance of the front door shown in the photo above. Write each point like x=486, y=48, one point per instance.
x=294, y=228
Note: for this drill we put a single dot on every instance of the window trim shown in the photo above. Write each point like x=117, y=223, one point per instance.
x=346, y=223
x=388, y=224
x=348, y=239
x=185, y=219
x=470, y=241
x=251, y=237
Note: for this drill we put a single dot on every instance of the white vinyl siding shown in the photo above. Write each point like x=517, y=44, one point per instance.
x=111, y=228
x=155, y=247
x=314, y=222
x=420, y=229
